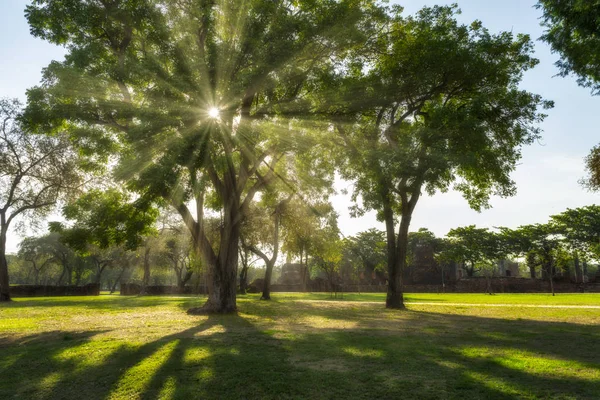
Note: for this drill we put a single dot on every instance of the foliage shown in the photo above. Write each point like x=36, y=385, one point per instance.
x=106, y=218
x=580, y=227
x=476, y=248
x=198, y=100
x=365, y=253
x=439, y=107
x=573, y=31
x=35, y=173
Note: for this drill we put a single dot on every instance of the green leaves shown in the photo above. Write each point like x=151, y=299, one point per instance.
x=105, y=219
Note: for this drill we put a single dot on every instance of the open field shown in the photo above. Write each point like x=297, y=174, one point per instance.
x=302, y=346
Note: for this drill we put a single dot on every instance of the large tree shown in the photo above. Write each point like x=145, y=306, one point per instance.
x=572, y=30
x=435, y=106
x=199, y=97
x=35, y=173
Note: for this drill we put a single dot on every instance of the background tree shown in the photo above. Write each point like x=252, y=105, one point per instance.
x=522, y=242
x=196, y=106
x=580, y=228
x=327, y=256
x=473, y=247
x=104, y=221
x=302, y=223
x=439, y=108
x=178, y=252
x=539, y=243
x=38, y=254
x=35, y=173
x=366, y=253
x=262, y=231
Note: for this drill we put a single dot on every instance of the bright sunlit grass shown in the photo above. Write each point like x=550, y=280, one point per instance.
x=299, y=346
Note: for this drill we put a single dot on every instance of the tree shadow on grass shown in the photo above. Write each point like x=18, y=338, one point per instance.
x=431, y=355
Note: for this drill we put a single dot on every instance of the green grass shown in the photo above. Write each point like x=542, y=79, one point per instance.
x=301, y=346
x=467, y=298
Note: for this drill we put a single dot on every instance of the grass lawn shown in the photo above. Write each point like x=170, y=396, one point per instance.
x=301, y=346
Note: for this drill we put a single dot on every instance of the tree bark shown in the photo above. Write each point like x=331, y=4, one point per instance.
x=395, y=297
x=4, y=282
x=222, y=268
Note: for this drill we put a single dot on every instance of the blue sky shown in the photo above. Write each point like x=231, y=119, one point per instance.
x=546, y=177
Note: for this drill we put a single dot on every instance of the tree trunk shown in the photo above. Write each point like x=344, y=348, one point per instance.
x=99, y=269
x=304, y=268
x=117, y=281
x=244, y=279
x=578, y=272
x=223, y=268
x=244, y=271
x=396, y=252
x=531, y=264
x=266, y=294
x=146, y=278
x=4, y=283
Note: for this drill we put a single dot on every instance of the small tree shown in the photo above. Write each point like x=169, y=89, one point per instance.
x=472, y=247
x=104, y=221
x=366, y=252
x=36, y=172
x=35, y=251
x=327, y=257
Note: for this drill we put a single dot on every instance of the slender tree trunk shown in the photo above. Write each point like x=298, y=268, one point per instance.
x=244, y=270
x=304, y=268
x=578, y=273
x=146, y=278
x=531, y=264
x=4, y=283
x=99, y=269
x=118, y=280
x=270, y=263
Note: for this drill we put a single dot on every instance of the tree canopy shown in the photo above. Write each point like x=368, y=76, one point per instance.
x=433, y=105
x=36, y=171
x=196, y=99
